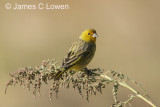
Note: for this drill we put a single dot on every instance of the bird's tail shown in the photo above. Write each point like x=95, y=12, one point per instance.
x=59, y=73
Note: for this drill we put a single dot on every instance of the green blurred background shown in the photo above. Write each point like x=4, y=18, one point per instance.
x=128, y=42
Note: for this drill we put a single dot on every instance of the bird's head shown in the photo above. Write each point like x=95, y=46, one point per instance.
x=89, y=35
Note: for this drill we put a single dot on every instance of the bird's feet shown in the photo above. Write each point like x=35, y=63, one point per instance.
x=88, y=72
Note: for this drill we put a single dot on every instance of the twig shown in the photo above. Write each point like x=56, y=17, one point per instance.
x=130, y=88
x=35, y=77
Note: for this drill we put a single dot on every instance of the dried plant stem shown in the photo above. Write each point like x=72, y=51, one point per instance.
x=34, y=77
x=122, y=83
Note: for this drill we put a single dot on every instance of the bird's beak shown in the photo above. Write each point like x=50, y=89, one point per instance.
x=95, y=35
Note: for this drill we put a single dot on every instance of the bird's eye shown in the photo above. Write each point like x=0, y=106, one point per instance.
x=88, y=33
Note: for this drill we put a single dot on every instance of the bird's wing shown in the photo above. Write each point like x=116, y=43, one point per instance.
x=76, y=52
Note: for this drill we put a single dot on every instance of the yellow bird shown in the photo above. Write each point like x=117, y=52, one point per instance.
x=80, y=53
